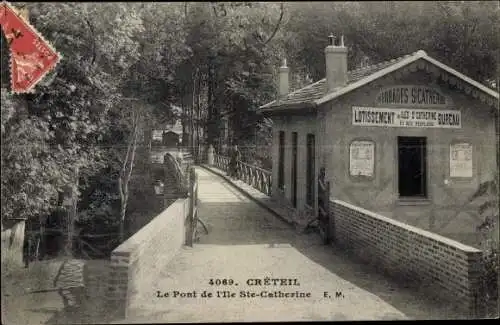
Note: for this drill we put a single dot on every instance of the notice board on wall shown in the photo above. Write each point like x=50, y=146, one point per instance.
x=362, y=158
x=461, y=160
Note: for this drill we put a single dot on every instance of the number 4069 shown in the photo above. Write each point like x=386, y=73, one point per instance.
x=219, y=282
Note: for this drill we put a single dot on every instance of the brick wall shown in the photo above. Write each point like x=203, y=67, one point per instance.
x=438, y=265
x=137, y=262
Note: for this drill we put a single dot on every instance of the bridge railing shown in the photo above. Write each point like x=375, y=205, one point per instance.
x=221, y=162
x=258, y=178
x=192, y=216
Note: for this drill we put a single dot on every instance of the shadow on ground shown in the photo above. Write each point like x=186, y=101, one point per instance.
x=244, y=222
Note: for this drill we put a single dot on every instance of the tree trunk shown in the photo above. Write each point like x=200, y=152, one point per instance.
x=212, y=110
x=210, y=101
x=191, y=117
x=74, y=210
x=123, y=208
x=42, y=237
x=198, y=119
x=69, y=215
x=126, y=174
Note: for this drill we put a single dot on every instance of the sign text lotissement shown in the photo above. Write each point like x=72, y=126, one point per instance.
x=401, y=117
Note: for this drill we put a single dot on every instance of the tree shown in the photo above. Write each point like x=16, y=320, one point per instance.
x=59, y=129
x=458, y=33
x=134, y=115
x=234, y=48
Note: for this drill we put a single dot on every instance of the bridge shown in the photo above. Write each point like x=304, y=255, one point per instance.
x=249, y=265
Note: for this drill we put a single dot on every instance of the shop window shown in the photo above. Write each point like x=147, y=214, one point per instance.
x=281, y=161
x=412, y=166
x=310, y=170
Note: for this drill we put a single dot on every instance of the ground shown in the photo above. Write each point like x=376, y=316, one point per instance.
x=246, y=241
x=52, y=292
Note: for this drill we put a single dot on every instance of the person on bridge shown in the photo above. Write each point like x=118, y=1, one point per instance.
x=235, y=156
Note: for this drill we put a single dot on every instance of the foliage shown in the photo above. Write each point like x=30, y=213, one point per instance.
x=235, y=47
x=460, y=34
x=30, y=172
x=65, y=125
x=488, y=208
x=488, y=229
x=100, y=201
x=264, y=143
x=490, y=276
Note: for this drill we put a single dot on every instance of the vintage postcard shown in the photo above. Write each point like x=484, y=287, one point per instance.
x=198, y=162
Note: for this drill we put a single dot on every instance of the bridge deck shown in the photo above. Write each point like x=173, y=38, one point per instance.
x=245, y=242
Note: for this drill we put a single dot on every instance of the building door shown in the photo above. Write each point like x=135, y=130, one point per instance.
x=294, y=169
x=281, y=161
x=310, y=170
x=412, y=166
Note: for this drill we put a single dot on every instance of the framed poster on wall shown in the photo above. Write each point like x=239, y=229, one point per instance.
x=362, y=158
x=461, y=160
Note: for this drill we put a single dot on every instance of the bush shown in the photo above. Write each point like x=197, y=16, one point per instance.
x=489, y=281
x=488, y=230
x=490, y=273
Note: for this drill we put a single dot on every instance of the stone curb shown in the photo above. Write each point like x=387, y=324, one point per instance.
x=278, y=212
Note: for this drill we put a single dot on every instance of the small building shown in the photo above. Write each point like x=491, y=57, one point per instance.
x=409, y=138
x=172, y=135
x=171, y=139
x=166, y=140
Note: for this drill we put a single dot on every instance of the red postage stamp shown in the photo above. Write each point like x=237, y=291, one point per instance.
x=31, y=56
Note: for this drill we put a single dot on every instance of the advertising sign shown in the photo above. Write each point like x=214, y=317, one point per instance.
x=461, y=160
x=362, y=158
x=412, y=96
x=402, y=117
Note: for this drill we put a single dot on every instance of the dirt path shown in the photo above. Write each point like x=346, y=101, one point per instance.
x=247, y=242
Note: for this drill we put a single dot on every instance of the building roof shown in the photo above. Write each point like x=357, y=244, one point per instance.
x=176, y=127
x=316, y=93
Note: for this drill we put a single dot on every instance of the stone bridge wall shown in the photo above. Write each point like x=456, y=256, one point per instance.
x=136, y=262
x=438, y=265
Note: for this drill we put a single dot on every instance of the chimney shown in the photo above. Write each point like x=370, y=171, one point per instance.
x=283, y=80
x=336, y=63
